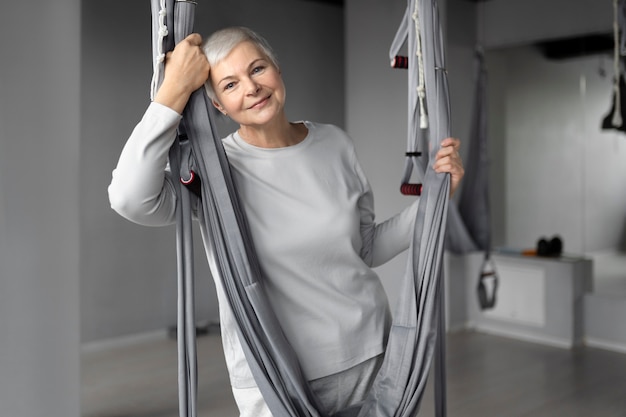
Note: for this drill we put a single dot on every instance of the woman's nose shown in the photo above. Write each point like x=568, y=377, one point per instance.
x=252, y=87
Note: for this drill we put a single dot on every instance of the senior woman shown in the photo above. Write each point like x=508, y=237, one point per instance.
x=308, y=203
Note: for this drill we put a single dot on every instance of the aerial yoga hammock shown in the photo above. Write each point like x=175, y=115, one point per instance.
x=469, y=228
x=616, y=118
x=198, y=154
x=473, y=205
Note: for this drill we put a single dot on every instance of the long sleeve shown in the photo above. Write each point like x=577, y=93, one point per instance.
x=383, y=241
x=302, y=203
x=141, y=189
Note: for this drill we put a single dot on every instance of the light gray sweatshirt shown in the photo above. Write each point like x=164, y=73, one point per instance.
x=311, y=214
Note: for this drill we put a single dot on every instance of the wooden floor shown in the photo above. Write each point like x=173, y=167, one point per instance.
x=486, y=376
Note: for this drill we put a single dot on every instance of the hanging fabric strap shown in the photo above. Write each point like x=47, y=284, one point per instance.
x=617, y=114
x=231, y=259
x=163, y=16
x=422, y=46
x=417, y=321
x=474, y=197
x=416, y=159
x=621, y=23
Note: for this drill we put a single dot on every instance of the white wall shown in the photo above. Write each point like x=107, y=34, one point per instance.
x=564, y=175
x=506, y=23
x=128, y=271
x=555, y=171
x=39, y=209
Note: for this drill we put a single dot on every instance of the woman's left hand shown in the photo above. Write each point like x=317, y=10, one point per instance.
x=449, y=160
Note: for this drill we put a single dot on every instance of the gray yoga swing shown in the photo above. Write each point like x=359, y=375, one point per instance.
x=417, y=333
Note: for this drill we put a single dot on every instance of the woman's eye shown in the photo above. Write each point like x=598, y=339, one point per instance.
x=257, y=69
x=229, y=86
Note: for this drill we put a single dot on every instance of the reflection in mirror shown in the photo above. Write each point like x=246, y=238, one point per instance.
x=564, y=175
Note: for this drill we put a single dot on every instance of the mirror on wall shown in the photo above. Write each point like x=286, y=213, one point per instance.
x=561, y=173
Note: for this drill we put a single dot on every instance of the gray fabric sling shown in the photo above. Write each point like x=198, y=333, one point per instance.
x=469, y=228
x=400, y=384
x=474, y=198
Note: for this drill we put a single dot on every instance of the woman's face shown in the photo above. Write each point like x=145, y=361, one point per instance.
x=248, y=87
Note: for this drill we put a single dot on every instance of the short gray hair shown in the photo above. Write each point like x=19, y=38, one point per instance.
x=217, y=46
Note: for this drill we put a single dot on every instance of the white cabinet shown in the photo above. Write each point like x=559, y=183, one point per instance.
x=538, y=299
x=521, y=296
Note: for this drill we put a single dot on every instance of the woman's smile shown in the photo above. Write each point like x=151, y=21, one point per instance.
x=261, y=103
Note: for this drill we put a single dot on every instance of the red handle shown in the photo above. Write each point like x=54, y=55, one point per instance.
x=400, y=61
x=411, y=189
x=190, y=180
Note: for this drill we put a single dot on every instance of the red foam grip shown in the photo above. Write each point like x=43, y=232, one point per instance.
x=400, y=62
x=193, y=183
x=411, y=189
x=192, y=177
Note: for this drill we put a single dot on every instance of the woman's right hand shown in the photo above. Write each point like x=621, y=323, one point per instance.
x=186, y=70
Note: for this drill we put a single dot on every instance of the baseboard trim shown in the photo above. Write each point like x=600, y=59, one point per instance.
x=524, y=336
x=606, y=345
x=122, y=341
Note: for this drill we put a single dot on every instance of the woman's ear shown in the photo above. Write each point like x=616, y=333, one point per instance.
x=218, y=106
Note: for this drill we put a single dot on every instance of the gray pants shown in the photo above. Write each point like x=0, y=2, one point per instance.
x=335, y=392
